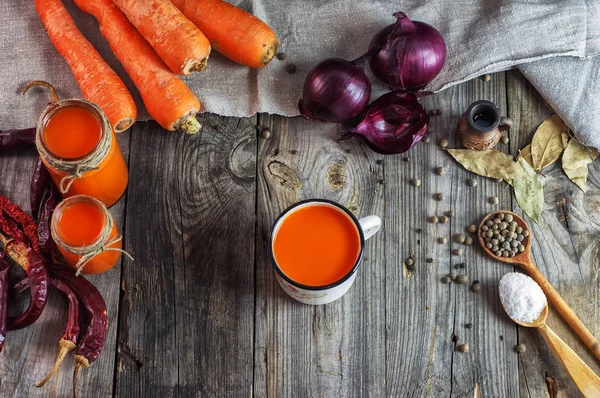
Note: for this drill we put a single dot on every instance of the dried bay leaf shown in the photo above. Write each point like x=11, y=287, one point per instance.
x=575, y=162
x=489, y=163
x=548, y=142
x=529, y=190
x=525, y=153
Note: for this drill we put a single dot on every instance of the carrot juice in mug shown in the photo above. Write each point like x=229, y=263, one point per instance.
x=317, y=246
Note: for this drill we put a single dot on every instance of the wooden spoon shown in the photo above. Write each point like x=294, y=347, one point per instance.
x=524, y=261
x=585, y=379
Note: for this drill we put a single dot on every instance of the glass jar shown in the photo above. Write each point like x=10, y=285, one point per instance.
x=77, y=145
x=86, y=235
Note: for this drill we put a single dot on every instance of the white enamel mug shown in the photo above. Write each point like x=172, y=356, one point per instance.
x=316, y=295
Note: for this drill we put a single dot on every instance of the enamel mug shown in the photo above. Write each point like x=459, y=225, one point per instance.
x=316, y=295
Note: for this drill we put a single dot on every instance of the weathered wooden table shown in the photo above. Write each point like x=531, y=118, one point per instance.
x=199, y=312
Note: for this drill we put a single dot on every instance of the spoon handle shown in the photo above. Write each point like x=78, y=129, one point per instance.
x=586, y=380
x=563, y=309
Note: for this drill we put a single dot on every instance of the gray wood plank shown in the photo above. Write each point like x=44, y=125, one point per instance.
x=30, y=353
x=337, y=349
x=187, y=308
x=567, y=253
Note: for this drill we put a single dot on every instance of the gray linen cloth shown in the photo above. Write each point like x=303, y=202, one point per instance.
x=548, y=39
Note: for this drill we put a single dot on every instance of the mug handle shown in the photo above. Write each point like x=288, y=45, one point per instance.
x=505, y=123
x=370, y=225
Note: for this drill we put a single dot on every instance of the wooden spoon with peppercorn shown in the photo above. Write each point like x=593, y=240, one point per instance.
x=584, y=377
x=488, y=234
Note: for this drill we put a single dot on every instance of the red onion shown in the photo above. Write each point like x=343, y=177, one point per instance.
x=336, y=90
x=408, y=54
x=393, y=123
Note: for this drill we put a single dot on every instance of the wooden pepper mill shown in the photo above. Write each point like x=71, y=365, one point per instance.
x=481, y=126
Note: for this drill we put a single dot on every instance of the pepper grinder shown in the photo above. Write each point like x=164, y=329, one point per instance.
x=481, y=126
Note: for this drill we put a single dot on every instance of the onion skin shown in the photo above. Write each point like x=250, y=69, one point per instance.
x=335, y=91
x=393, y=123
x=407, y=54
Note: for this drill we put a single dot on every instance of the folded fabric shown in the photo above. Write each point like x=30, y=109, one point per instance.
x=482, y=37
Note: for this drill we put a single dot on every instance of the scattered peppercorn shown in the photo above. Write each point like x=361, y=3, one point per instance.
x=468, y=325
x=266, y=133
x=445, y=280
x=457, y=252
x=475, y=287
x=460, y=238
x=494, y=200
x=486, y=77
x=415, y=182
x=504, y=139
x=409, y=261
x=503, y=239
x=405, y=159
x=520, y=348
x=433, y=219
x=443, y=219
x=468, y=241
x=444, y=143
x=291, y=69
x=461, y=279
x=442, y=240
x=472, y=182
x=449, y=213
x=438, y=196
x=440, y=171
x=426, y=139
x=452, y=275
x=472, y=229
x=463, y=348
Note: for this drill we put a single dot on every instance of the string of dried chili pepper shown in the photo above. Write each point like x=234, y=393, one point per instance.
x=50, y=202
x=68, y=341
x=3, y=298
x=27, y=223
x=97, y=320
x=11, y=228
x=39, y=183
x=17, y=139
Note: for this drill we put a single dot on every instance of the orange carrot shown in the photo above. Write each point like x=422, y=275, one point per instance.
x=232, y=31
x=97, y=81
x=165, y=95
x=179, y=43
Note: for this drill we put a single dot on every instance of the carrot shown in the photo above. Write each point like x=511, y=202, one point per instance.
x=166, y=97
x=97, y=81
x=232, y=31
x=179, y=43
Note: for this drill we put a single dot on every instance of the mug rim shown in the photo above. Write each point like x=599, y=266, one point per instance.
x=340, y=281
x=479, y=103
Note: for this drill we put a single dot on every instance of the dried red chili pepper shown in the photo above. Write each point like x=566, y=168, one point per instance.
x=3, y=298
x=10, y=228
x=17, y=139
x=69, y=338
x=50, y=202
x=39, y=183
x=26, y=221
x=97, y=320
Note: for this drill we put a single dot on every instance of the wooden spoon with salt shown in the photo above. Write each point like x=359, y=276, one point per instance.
x=585, y=379
x=524, y=261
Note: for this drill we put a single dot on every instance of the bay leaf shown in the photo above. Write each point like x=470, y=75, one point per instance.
x=529, y=190
x=548, y=142
x=489, y=163
x=575, y=162
x=525, y=153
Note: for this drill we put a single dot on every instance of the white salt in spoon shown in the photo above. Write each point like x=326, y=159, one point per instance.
x=585, y=379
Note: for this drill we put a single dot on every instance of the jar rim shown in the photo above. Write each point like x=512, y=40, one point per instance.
x=98, y=242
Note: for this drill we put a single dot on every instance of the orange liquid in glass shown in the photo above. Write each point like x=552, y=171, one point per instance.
x=316, y=245
x=72, y=132
x=79, y=225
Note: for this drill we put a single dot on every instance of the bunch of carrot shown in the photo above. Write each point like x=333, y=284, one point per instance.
x=155, y=41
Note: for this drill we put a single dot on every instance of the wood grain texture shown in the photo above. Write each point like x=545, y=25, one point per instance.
x=186, y=325
x=567, y=253
x=323, y=351
x=30, y=353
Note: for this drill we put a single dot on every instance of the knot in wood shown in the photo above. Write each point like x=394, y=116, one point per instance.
x=336, y=175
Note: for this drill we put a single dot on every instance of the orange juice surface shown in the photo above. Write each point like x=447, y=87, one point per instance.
x=316, y=245
x=72, y=132
x=80, y=224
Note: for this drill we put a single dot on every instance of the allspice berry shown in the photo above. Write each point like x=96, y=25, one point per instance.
x=504, y=139
x=463, y=348
x=443, y=219
x=266, y=133
x=520, y=348
x=449, y=213
x=433, y=219
x=475, y=287
x=445, y=280
x=440, y=171
x=426, y=139
x=472, y=229
x=415, y=182
x=460, y=238
x=457, y=252
x=462, y=279
x=494, y=200
x=472, y=182
x=468, y=241
x=443, y=143
x=442, y=240
x=452, y=275
x=486, y=77
x=438, y=196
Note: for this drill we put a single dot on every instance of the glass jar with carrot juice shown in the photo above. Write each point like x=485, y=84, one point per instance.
x=86, y=234
x=76, y=143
